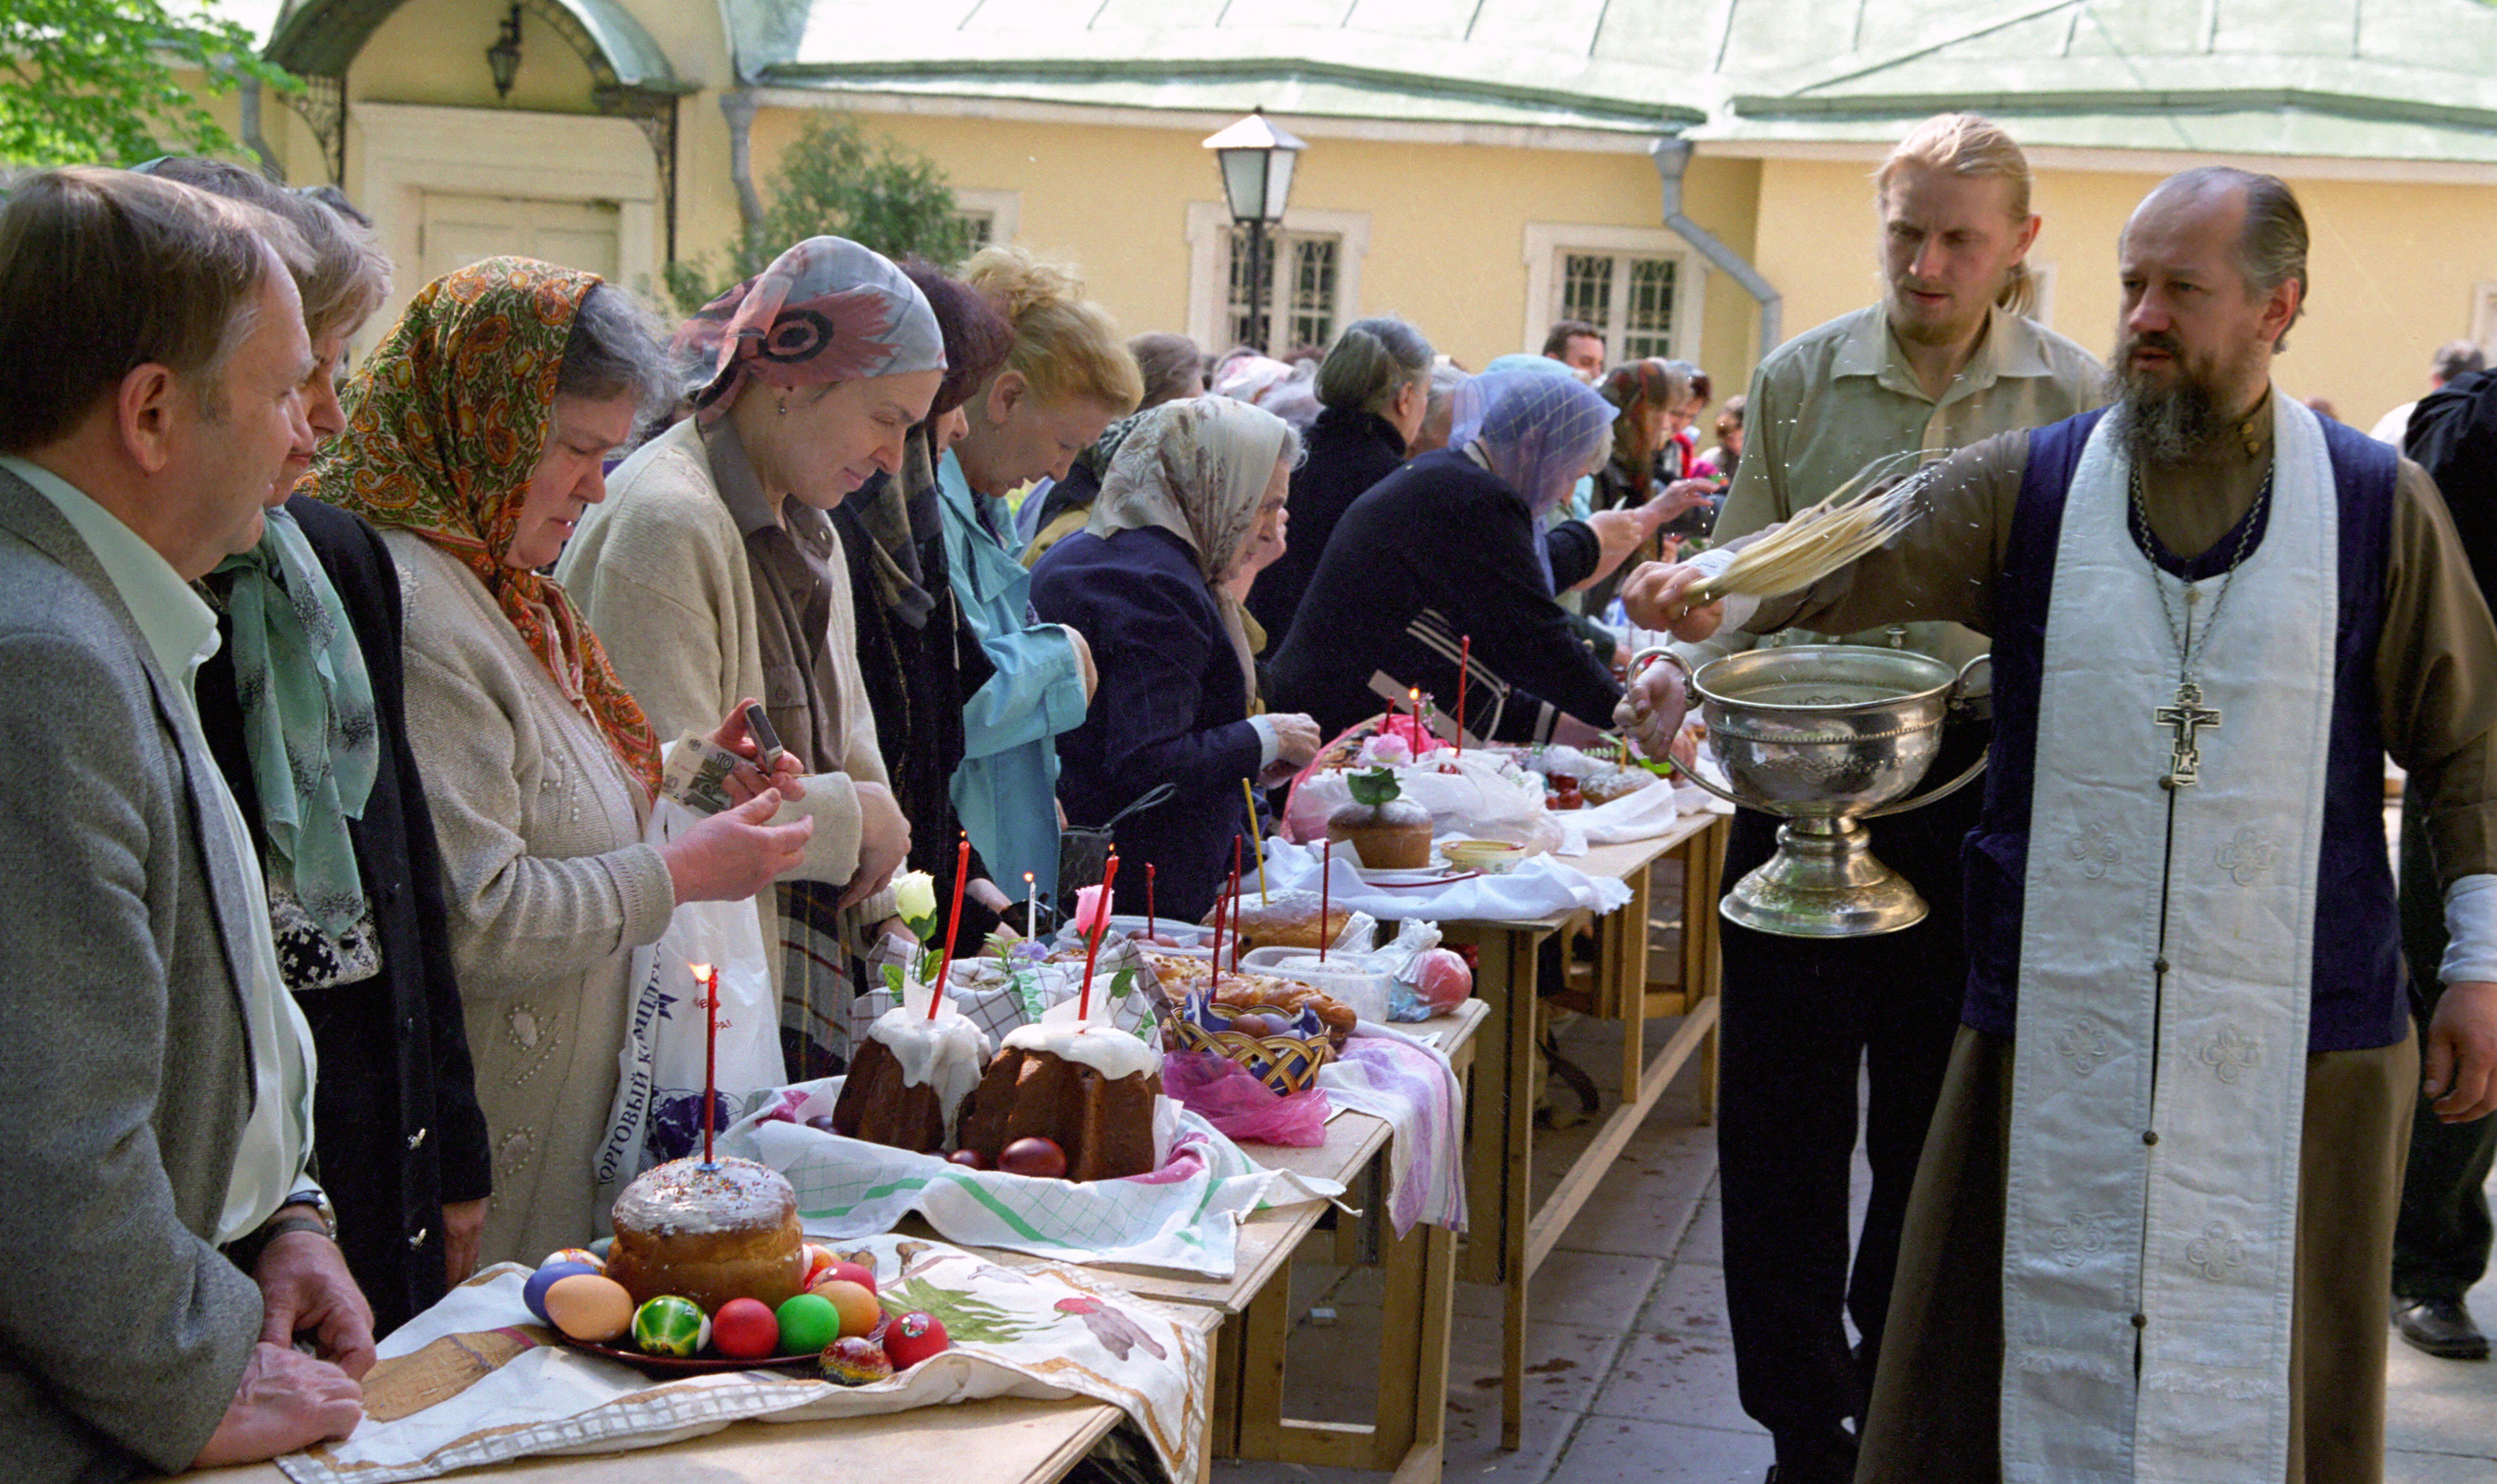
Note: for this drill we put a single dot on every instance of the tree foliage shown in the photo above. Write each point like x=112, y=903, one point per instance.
x=836, y=181
x=96, y=81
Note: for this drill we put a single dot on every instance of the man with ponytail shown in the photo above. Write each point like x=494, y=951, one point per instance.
x=1946, y=359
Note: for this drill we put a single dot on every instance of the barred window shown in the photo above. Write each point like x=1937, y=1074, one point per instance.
x=1629, y=295
x=1300, y=300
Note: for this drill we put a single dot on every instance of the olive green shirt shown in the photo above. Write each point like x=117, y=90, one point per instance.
x=1833, y=399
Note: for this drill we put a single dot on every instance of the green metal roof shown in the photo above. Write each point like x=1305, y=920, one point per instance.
x=324, y=36
x=2362, y=79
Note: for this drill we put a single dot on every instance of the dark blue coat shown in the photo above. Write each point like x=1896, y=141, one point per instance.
x=1172, y=709
x=1434, y=553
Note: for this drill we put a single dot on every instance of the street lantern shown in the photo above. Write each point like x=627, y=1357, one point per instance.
x=1256, y=160
x=503, y=58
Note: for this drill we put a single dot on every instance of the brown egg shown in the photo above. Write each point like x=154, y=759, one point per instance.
x=590, y=1307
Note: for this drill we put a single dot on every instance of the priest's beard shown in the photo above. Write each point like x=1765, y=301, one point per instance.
x=2179, y=416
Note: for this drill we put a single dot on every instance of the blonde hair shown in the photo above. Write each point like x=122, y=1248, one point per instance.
x=1967, y=144
x=1065, y=346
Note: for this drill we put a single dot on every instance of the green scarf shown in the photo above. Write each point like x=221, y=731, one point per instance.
x=307, y=719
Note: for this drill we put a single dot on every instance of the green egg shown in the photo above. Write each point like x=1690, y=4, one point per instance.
x=808, y=1322
x=671, y=1326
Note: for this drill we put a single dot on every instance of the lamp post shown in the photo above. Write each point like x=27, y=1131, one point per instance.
x=1256, y=160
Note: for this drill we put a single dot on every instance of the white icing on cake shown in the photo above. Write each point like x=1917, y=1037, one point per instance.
x=682, y=1196
x=1097, y=1043
x=946, y=1054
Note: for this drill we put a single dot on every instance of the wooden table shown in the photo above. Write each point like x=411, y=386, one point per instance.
x=1002, y=1441
x=1405, y=1435
x=1506, y=1238
x=1035, y=1443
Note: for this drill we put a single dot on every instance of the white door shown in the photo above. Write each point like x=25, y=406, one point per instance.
x=459, y=230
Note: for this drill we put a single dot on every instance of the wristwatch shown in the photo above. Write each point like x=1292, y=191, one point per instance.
x=323, y=1217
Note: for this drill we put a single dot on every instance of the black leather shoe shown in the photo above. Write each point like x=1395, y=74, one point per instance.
x=2442, y=1327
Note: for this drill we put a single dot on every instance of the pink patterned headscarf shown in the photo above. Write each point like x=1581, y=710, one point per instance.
x=827, y=310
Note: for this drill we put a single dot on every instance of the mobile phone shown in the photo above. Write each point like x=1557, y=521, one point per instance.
x=767, y=741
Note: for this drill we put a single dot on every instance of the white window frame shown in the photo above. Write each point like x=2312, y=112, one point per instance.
x=1002, y=209
x=1209, y=282
x=1546, y=242
x=404, y=150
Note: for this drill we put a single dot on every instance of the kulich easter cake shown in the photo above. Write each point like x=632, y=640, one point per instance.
x=709, y=1233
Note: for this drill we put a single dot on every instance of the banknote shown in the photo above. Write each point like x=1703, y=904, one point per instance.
x=697, y=775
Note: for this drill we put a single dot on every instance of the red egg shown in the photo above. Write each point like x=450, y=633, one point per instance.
x=846, y=1272
x=912, y=1338
x=968, y=1158
x=746, y=1329
x=1036, y=1157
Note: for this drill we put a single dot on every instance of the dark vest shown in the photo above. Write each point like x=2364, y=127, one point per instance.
x=2358, y=996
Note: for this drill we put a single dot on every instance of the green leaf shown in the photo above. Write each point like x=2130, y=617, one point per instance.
x=892, y=981
x=1373, y=786
x=836, y=181
x=114, y=82
x=1121, y=982
x=964, y=1318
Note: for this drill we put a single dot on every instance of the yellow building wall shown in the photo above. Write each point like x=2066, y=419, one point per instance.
x=2391, y=267
x=1447, y=223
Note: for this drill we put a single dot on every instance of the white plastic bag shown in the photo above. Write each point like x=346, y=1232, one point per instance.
x=657, y=1111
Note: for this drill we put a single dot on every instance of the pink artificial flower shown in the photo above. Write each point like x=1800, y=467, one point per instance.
x=1092, y=910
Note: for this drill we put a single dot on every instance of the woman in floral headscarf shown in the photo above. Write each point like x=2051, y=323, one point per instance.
x=1195, y=488
x=475, y=435
x=716, y=578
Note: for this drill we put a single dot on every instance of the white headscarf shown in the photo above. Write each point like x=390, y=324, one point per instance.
x=1198, y=469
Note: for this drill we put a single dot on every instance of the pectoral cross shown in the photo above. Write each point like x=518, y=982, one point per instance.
x=2184, y=720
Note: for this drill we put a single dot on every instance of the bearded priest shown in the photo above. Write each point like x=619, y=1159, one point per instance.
x=2151, y=1234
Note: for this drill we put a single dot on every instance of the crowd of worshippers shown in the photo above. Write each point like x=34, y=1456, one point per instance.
x=340, y=689
x=341, y=685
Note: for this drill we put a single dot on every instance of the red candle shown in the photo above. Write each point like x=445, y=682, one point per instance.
x=1149, y=899
x=1214, y=975
x=1091, y=949
x=707, y=979
x=1414, y=699
x=1465, y=662
x=1326, y=868
x=953, y=920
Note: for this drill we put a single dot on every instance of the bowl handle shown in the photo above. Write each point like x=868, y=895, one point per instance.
x=1691, y=702
x=1961, y=705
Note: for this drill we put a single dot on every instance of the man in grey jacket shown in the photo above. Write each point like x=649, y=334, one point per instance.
x=164, y=1244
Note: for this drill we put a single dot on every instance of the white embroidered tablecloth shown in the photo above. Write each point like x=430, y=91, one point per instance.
x=473, y=1381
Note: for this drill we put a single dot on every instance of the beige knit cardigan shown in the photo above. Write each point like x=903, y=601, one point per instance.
x=550, y=890
x=661, y=572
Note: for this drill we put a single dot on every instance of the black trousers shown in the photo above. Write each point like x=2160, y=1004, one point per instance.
x=2442, y=1237
x=1802, y=1017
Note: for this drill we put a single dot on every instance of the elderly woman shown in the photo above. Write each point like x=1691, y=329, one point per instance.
x=1194, y=488
x=1372, y=389
x=475, y=438
x=1449, y=547
x=716, y=578
x=302, y=706
x=916, y=659
x=1066, y=378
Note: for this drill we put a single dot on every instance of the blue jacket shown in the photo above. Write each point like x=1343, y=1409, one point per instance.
x=1006, y=787
x=1172, y=708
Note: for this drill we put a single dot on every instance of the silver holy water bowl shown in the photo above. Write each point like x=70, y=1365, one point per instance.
x=1827, y=736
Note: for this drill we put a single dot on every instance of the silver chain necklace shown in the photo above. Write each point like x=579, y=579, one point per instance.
x=2186, y=717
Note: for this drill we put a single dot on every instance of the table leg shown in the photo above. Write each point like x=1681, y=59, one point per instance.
x=1499, y=1124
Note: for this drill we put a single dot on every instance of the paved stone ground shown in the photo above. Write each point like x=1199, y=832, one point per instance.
x=1629, y=1372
